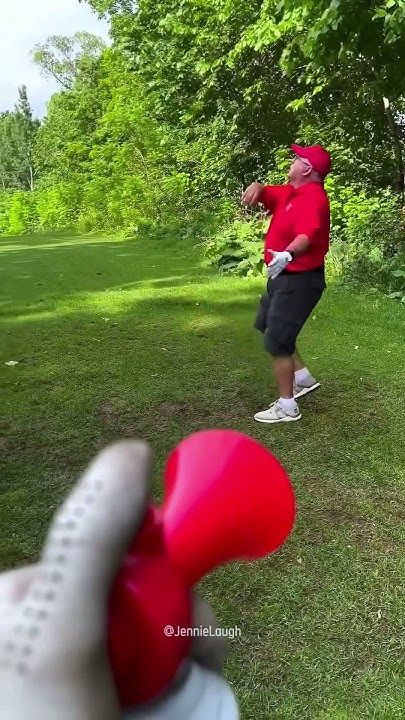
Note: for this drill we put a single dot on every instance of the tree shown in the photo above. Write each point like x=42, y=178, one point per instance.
x=98, y=150
x=7, y=150
x=18, y=130
x=234, y=117
x=28, y=130
x=111, y=6
x=328, y=41
x=63, y=57
x=241, y=81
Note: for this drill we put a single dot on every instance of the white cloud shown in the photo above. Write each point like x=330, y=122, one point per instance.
x=26, y=23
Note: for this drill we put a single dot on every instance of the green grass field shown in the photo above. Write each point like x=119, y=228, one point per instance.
x=134, y=338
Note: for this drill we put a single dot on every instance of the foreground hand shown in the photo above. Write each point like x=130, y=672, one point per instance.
x=53, y=616
x=252, y=194
x=279, y=262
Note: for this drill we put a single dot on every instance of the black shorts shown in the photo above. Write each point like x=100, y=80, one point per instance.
x=286, y=306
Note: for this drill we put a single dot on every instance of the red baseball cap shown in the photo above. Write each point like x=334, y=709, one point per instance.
x=317, y=156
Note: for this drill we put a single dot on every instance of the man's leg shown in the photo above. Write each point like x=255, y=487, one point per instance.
x=298, y=364
x=291, y=301
x=285, y=409
x=283, y=368
x=280, y=342
x=304, y=382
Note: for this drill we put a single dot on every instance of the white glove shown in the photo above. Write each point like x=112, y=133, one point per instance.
x=279, y=262
x=53, y=616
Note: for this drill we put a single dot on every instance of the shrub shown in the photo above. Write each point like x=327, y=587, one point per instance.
x=368, y=236
x=5, y=203
x=57, y=205
x=398, y=280
x=238, y=246
x=22, y=214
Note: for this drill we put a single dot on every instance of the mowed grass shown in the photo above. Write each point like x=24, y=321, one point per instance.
x=134, y=339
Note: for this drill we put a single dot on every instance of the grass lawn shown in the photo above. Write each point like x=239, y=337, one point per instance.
x=135, y=339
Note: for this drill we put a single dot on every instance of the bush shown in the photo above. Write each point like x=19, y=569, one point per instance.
x=238, y=246
x=57, y=205
x=22, y=213
x=5, y=203
x=367, y=236
x=398, y=280
x=47, y=208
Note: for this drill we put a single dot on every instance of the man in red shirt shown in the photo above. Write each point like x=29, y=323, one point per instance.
x=296, y=244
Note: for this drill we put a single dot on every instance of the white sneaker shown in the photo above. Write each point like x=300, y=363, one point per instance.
x=301, y=390
x=276, y=414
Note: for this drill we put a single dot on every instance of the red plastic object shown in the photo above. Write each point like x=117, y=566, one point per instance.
x=226, y=498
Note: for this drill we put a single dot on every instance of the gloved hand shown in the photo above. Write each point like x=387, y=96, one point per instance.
x=53, y=616
x=278, y=263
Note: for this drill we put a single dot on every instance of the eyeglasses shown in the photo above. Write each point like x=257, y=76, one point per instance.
x=305, y=162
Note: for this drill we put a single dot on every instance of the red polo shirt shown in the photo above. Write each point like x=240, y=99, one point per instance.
x=301, y=211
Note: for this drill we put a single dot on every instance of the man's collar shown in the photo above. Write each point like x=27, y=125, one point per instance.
x=303, y=188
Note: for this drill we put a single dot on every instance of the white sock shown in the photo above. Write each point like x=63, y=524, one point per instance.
x=304, y=377
x=288, y=404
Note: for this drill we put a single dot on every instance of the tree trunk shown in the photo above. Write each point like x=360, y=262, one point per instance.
x=31, y=179
x=397, y=148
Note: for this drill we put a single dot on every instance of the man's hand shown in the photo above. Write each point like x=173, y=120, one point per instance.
x=251, y=196
x=279, y=262
x=53, y=615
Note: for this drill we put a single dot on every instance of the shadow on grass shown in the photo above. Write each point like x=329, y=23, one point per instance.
x=38, y=281
x=172, y=362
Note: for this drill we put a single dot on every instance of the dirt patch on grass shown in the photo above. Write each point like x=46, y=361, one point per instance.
x=370, y=535
x=367, y=523
x=170, y=414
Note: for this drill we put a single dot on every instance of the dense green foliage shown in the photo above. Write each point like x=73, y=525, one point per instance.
x=67, y=58
x=18, y=132
x=196, y=99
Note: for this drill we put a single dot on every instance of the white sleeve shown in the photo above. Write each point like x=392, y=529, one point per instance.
x=204, y=695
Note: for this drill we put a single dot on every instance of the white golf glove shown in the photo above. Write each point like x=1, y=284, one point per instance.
x=53, y=616
x=279, y=262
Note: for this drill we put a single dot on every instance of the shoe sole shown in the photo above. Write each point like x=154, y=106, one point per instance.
x=288, y=418
x=305, y=391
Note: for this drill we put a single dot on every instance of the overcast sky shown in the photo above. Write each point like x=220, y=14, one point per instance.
x=23, y=24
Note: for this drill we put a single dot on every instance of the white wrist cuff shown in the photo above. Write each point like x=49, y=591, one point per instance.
x=204, y=695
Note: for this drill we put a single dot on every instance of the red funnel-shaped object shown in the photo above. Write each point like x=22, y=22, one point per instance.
x=226, y=498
